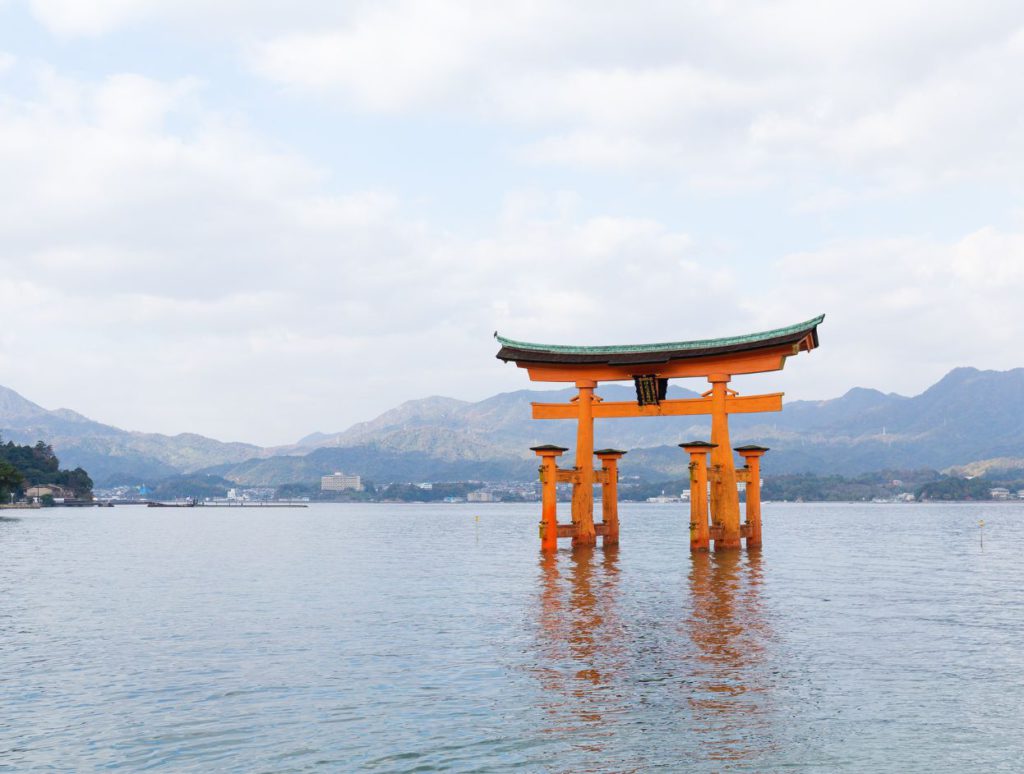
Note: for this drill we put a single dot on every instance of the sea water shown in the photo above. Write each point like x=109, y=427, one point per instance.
x=399, y=638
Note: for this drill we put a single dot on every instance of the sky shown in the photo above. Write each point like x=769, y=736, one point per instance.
x=256, y=220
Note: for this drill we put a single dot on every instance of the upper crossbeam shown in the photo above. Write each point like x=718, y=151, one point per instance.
x=734, y=404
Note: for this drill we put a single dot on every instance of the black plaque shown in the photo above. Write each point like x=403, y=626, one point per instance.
x=649, y=390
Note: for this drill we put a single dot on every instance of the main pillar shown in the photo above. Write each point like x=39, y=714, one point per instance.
x=583, y=487
x=548, y=495
x=725, y=500
x=610, y=494
x=752, y=453
x=698, y=451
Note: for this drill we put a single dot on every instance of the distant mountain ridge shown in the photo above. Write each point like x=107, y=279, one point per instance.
x=967, y=416
x=500, y=424
x=112, y=455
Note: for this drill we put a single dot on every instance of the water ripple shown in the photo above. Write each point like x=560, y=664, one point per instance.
x=414, y=638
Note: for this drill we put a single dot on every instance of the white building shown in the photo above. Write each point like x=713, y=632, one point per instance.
x=480, y=496
x=339, y=482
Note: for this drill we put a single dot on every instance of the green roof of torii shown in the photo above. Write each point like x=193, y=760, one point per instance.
x=515, y=350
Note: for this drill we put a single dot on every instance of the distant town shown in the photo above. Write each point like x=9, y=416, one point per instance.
x=30, y=476
x=338, y=486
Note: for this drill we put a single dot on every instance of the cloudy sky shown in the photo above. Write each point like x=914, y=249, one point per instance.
x=257, y=219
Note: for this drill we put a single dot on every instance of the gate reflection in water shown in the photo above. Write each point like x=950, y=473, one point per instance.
x=579, y=620
x=730, y=696
x=596, y=660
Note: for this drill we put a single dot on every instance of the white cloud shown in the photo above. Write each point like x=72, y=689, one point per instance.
x=726, y=95
x=909, y=93
x=223, y=18
x=166, y=252
x=385, y=60
x=903, y=312
x=171, y=259
x=73, y=17
x=163, y=251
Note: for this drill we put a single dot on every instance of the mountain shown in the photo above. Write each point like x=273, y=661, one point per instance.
x=499, y=426
x=112, y=455
x=375, y=464
x=968, y=415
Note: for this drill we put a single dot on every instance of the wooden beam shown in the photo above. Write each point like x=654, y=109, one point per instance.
x=736, y=404
x=572, y=476
x=569, y=530
x=772, y=359
x=564, y=476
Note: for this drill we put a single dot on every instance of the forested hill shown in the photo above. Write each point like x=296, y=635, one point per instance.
x=25, y=466
x=968, y=415
x=110, y=454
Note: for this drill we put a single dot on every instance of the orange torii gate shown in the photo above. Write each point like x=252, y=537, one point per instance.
x=650, y=366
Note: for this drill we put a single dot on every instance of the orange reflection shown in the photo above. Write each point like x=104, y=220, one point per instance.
x=580, y=642
x=730, y=699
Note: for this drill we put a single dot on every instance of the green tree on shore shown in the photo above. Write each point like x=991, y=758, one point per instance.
x=39, y=465
x=10, y=480
x=952, y=488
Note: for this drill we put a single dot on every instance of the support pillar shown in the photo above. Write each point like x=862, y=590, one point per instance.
x=752, y=454
x=725, y=500
x=610, y=494
x=583, y=488
x=699, y=535
x=548, y=495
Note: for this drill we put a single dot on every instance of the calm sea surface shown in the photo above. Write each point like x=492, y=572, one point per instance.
x=418, y=638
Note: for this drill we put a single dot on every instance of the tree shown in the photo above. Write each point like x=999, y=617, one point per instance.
x=10, y=480
x=38, y=465
x=76, y=480
x=951, y=488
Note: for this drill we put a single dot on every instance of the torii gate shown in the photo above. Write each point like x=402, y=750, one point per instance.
x=650, y=366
